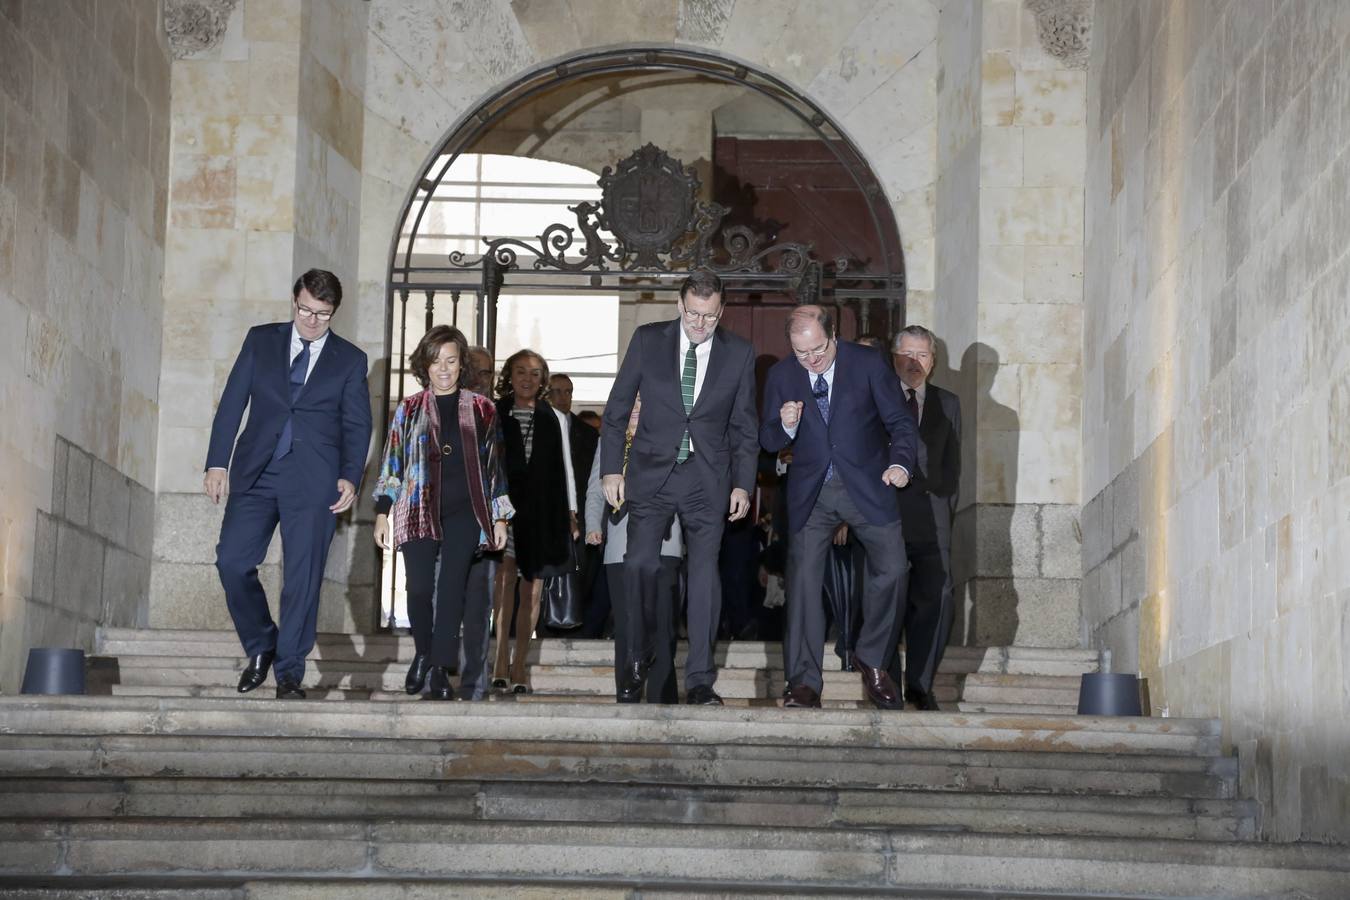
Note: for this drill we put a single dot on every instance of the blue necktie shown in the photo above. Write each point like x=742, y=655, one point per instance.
x=821, y=391
x=299, y=369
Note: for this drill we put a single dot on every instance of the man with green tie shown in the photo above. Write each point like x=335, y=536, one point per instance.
x=694, y=454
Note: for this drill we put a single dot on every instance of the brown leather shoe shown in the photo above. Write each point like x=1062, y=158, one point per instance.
x=801, y=696
x=879, y=687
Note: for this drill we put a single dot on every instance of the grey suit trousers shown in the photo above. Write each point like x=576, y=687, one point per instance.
x=883, y=597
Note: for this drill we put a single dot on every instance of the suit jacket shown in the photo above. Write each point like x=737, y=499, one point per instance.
x=929, y=504
x=869, y=430
x=721, y=424
x=584, y=441
x=330, y=417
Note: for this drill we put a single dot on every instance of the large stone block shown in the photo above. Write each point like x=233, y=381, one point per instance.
x=110, y=503
x=1061, y=542
x=79, y=572
x=126, y=589
x=188, y=595
x=44, y=558
x=1028, y=612
x=187, y=528
x=50, y=626
x=79, y=476
x=141, y=521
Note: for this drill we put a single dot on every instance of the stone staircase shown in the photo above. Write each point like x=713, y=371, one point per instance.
x=143, y=796
x=164, y=663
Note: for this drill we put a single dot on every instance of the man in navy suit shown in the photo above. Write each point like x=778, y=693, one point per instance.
x=297, y=464
x=853, y=445
x=694, y=455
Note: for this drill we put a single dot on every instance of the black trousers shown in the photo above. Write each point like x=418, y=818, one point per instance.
x=441, y=568
x=927, y=623
x=662, y=686
x=701, y=520
x=883, y=597
x=473, y=652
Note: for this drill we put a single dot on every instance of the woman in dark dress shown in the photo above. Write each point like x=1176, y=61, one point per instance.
x=542, y=491
x=443, y=482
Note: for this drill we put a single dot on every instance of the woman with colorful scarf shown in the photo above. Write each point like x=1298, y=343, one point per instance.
x=443, y=483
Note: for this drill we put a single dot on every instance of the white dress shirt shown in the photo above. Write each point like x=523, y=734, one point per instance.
x=701, y=355
x=315, y=348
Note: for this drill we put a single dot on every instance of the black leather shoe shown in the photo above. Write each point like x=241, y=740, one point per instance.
x=417, y=674
x=703, y=695
x=289, y=689
x=633, y=680
x=922, y=700
x=877, y=685
x=440, y=684
x=255, y=673
x=801, y=696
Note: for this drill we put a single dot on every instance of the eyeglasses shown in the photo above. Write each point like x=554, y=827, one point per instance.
x=818, y=353
x=305, y=312
x=694, y=318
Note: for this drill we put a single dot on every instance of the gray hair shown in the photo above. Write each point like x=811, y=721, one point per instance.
x=917, y=331
x=804, y=316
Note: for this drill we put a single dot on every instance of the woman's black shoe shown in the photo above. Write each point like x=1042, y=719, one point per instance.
x=417, y=674
x=440, y=684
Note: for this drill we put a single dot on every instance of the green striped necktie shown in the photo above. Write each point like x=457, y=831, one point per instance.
x=687, y=390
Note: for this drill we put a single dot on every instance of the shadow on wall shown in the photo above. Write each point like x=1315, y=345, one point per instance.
x=987, y=519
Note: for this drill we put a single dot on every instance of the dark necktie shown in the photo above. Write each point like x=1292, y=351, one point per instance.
x=299, y=369
x=821, y=391
x=912, y=404
x=687, y=379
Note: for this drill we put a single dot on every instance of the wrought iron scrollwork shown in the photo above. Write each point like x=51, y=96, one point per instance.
x=649, y=204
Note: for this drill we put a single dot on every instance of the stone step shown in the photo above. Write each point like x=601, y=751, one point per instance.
x=1000, y=812
x=121, y=642
x=597, y=723
x=683, y=856
x=201, y=674
x=397, y=695
x=939, y=769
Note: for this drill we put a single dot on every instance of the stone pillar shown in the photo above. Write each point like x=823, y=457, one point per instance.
x=264, y=184
x=1009, y=309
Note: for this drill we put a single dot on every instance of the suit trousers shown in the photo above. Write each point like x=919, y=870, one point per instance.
x=662, y=686
x=307, y=526
x=702, y=519
x=473, y=650
x=440, y=570
x=883, y=597
x=927, y=623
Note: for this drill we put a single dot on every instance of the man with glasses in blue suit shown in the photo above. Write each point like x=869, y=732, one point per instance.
x=838, y=406
x=297, y=464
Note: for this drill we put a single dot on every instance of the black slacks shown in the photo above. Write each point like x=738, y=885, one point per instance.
x=441, y=568
x=883, y=593
x=702, y=519
x=662, y=686
x=927, y=623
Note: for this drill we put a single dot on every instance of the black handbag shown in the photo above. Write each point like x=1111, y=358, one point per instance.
x=563, y=606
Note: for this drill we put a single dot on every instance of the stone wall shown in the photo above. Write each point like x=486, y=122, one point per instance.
x=84, y=125
x=1217, y=390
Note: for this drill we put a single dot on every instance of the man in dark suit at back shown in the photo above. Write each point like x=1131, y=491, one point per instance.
x=694, y=453
x=297, y=463
x=926, y=509
x=838, y=406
